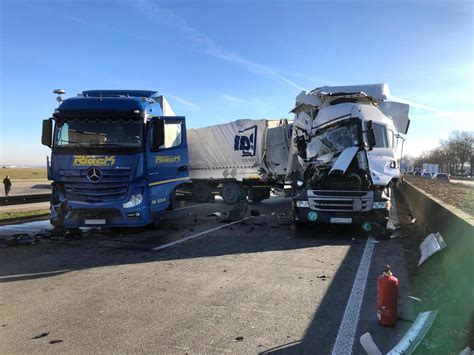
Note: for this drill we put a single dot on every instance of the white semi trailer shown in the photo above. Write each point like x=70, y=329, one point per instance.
x=345, y=154
x=244, y=158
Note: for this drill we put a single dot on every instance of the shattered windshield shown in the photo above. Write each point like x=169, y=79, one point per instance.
x=96, y=133
x=333, y=139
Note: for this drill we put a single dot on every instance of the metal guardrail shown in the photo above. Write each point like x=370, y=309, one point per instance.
x=24, y=199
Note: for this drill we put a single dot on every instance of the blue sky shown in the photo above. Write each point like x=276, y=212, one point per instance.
x=218, y=61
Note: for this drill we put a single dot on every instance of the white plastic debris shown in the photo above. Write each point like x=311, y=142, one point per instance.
x=369, y=345
x=432, y=244
x=466, y=351
x=414, y=298
x=415, y=334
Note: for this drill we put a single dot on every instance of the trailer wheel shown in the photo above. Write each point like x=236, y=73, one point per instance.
x=202, y=192
x=259, y=194
x=232, y=193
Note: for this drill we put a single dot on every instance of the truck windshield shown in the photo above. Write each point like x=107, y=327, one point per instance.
x=97, y=133
x=333, y=139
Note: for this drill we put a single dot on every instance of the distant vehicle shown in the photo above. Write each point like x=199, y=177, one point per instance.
x=427, y=175
x=417, y=173
x=442, y=176
x=430, y=168
x=409, y=173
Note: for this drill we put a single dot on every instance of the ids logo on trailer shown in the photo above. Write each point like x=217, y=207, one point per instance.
x=245, y=141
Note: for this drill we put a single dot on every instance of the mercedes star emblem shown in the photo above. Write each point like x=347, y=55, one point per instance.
x=94, y=175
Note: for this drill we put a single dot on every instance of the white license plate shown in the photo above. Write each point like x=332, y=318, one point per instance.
x=94, y=221
x=340, y=220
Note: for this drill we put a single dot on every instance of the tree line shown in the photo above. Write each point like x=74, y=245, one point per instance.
x=454, y=155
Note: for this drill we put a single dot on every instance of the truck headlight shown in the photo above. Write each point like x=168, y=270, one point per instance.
x=302, y=204
x=381, y=205
x=135, y=200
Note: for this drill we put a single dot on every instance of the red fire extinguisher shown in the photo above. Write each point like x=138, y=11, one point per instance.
x=387, y=298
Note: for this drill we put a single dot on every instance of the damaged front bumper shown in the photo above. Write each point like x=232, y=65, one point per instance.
x=340, y=207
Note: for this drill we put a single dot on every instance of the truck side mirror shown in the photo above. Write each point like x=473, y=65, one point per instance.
x=158, y=133
x=47, y=135
x=371, y=138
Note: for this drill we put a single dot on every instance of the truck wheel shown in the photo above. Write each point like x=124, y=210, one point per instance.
x=257, y=195
x=232, y=193
x=202, y=192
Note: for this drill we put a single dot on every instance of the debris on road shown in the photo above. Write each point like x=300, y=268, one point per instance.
x=254, y=213
x=369, y=345
x=414, y=298
x=392, y=226
x=415, y=334
x=42, y=335
x=379, y=232
x=239, y=339
x=215, y=214
x=432, y=244
x=20, y=239
x=55, y=341
x=237, y=212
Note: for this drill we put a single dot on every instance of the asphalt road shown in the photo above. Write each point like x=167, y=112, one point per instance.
x=253, y=287
x=29, y=187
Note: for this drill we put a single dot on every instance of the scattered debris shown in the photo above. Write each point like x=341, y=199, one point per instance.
x=215, y=214
x=392, y=226
x=379, y=232
x=412, y=219
x=415, y=334
x=369, y=345
x=239, y=339
x=466, y=351
x=42, y=335
x=414, y=298
x=56, y=341
x=238, y=211
x=254, y=213
x=432, y=244
x=20, y=239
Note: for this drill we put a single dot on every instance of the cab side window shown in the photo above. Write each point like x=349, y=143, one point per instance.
x=173, y=135
x=380, y=136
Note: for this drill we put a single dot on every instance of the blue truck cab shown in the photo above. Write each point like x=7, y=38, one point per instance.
x=117, y=157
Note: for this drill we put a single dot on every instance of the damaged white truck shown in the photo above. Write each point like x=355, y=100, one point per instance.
x=345, y=154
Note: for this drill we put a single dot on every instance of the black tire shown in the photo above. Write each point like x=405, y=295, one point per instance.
x=259, y=194
x=202, y=192
x=233, y=193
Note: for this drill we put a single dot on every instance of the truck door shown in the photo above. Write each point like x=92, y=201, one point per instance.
x=167, y=165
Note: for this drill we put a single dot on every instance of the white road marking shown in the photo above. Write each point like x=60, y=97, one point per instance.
x=186, y=207
x=197, y=235
x=347, y=330
x=35, y=274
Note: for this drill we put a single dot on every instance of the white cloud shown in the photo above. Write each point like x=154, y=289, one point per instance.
x=184, y=102
x=231, y=98
x=205, y=44
x=439, y=113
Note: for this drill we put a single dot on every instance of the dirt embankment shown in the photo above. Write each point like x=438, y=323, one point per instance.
x=458, y=195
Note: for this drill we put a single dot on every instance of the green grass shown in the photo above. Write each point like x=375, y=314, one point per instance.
x=23, y=173
x=21, y=214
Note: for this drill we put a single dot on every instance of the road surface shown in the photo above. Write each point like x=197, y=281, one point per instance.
x=257, y=286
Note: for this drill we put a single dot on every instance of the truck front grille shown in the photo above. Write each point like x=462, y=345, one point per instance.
x=340, y=201
x=113, y=185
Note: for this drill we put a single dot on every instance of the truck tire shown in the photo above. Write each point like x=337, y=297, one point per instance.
x=259, y=194
x=202, y=192
x=232, y=193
